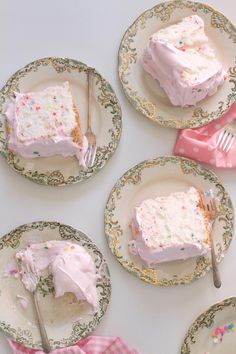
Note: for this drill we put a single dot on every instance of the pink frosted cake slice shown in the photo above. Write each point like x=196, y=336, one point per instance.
x=45, y=123
x=180, y=58
x=73, y=269
x=170, y=228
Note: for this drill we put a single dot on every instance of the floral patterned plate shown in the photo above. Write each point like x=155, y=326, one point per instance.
x=66, y=320
x=106, y=119
x=145, y=93
x=160, y=177
x=214, y=331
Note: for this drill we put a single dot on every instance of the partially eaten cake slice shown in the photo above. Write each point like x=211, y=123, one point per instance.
x=181, y=59
x=45, y=123
x=71, y=266
x=170, y=228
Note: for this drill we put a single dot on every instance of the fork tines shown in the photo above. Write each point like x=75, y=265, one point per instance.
x=225, y=140
x=209, y=204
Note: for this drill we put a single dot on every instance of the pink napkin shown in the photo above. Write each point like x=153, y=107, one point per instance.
x=199, y=144
x=88, y=345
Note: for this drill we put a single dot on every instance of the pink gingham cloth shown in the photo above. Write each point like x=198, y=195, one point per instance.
x=200, y=144
x=88, y=345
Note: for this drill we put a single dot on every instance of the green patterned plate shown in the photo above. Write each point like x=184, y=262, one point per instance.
x=198, y=340
x=106, y=115
x=163, y=176
x=66, y=320
x=145, y=93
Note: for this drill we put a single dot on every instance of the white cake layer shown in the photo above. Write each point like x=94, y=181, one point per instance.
x=42, y=124
x=170, y=228
x=180, y=58
x=45, y=114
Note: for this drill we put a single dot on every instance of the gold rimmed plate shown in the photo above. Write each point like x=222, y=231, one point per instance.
x=146, y=95
x=214, y=331
x=160, y=177
x=66, y=320
x=106, y=119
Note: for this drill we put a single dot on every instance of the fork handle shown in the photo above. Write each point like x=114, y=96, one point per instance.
x=44, y=337
x=90, y=76
x=215, y=269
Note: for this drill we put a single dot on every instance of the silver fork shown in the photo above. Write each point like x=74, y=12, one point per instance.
x=226, y=138
x=91, y=137
x=44, y=337
x=209, y=206
x=43, y=333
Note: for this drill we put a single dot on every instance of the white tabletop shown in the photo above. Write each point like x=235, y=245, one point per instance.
x=152, y=319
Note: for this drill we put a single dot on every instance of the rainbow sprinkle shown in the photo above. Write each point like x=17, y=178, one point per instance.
x=219, y=332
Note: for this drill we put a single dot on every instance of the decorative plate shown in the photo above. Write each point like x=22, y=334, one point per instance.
x=106, y=119
x=145, y=93
x=163, y=176
x=213, y=332
x=66, y=320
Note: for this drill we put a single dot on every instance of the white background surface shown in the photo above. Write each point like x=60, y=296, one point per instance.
x=152, y=319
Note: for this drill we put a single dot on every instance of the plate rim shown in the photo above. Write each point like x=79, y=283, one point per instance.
x=148, y=107
x=196, y=324
x=55, y=178
x=148, y=275
x=12, y=332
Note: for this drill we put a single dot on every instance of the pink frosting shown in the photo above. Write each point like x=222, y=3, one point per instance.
x=72, y=268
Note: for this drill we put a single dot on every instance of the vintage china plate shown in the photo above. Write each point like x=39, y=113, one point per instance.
x=106, y=119
x=198, y=340
x=66, y=320
x=145, y=93
x=160, y=177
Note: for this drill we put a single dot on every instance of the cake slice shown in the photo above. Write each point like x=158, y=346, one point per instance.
x=73, y=269
x=180, y=58
x=45, y=123
x=170, y=228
